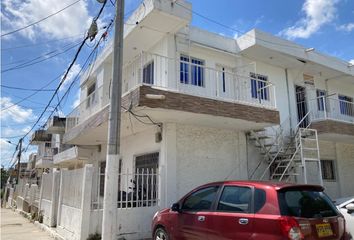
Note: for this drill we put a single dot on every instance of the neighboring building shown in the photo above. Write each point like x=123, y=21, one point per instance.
x=200, y=107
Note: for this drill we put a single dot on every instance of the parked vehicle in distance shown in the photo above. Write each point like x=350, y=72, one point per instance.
x=251, y=210
x=346, y=207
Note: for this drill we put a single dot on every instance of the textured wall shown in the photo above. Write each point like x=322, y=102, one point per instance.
x=206, y=154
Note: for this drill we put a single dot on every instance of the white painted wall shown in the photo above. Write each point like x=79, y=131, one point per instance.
x=208, y=154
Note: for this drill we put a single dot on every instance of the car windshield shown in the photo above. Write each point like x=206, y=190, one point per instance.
x=305, y=204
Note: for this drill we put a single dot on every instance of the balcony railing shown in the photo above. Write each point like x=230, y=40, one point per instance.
x=325, y=108
x=89, y=106
x=194, y=78
x=182, y=76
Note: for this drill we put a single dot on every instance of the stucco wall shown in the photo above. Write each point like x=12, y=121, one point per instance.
x=345, y=163
x=206, y=154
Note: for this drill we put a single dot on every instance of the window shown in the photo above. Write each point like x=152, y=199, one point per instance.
x=191, y=71
x=146, y=167
x=259, y=199
x=235, y=199
x=321, y=98
x=259, y=88
x=148, y=73
x=305, y=204
x=327, y=168
x=201, y=199
x=90, y=95
x=346, y=105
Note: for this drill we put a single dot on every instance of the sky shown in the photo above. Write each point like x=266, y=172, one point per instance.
x=37, y=57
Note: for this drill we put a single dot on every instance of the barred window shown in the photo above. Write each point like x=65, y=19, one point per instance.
x=327, y=167
x=259, y=89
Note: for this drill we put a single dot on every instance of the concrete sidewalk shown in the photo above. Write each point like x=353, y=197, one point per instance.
x=16, y=227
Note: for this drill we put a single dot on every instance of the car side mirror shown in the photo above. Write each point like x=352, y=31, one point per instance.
x=350, y=207
x=175, y=207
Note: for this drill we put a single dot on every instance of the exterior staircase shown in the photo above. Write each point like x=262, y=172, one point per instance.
x=290, y=156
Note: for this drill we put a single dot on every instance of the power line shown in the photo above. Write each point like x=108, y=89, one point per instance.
x=66, y=73
x=30, y=63
x=42, y=43
x=27, y=89
x=34, y=23
x=29, y=96
x=33, y=59
x=233, y=29
x=28, y=100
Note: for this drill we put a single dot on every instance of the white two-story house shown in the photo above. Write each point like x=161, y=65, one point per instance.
x=199, y=107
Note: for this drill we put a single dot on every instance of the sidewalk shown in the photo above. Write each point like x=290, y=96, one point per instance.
x=16, y=227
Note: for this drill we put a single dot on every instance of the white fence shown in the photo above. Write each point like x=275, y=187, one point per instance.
x=71, y=187
x=323, y=108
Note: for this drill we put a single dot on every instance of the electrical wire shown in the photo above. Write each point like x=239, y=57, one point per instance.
x=233, y=29
x=29, y=96
x=27, y=89
x=34, y=23
x=31, y=63
x=41, y=43
x=66, y=74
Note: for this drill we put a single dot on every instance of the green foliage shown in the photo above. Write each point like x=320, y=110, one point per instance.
x=4, y=177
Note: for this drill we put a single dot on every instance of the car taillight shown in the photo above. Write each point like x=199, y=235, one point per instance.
x=291, y=228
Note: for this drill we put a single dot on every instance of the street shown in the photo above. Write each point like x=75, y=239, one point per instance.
x=14, y=226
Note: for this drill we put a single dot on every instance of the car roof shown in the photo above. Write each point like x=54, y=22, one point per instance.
x=272, y=184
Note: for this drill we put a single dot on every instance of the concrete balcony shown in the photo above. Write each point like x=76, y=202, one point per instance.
x=45, y=159
x=72, y=156
x=333, y=118
x=40, y=136
x=56, y=125
x=204, y=94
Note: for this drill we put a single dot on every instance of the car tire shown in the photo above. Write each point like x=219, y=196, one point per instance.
x=161, y=234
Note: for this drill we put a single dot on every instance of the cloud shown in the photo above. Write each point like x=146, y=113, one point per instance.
x=14, y=112
x=19, y=13
x=77, y=100
x=10, y=131
x=7, y=151
x=317, y=13
x=71, y=76
x=351, y=61
x=346, y=27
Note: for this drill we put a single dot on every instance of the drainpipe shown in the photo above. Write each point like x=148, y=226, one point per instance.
x=287, y=92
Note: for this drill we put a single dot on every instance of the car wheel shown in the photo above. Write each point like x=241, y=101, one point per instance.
x=160, y=234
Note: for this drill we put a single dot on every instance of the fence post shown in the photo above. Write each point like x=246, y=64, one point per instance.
x=60, y=197
x=55, y=193
x=86, y=201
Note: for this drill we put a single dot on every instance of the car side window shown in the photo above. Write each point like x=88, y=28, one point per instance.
x=235, y=199
x=200, y=200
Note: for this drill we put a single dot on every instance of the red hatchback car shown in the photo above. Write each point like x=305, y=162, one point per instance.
x=251, y=210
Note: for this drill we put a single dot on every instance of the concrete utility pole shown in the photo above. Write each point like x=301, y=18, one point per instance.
x=109, y=223
x=19, y=160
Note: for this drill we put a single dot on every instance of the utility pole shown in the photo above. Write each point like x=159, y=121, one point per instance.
x=109, y=223
x=19, y=160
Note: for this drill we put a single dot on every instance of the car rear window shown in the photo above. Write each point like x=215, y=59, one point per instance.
x=305, y=204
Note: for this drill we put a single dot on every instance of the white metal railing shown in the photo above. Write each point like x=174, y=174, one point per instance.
x=184, y=77
x=195, y=79
x=135, y=189
x=323, y=108
x=89, y=106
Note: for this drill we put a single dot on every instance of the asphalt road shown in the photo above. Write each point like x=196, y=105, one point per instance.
x=16, y=227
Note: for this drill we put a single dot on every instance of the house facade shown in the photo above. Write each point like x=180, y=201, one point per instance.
x=198, y=107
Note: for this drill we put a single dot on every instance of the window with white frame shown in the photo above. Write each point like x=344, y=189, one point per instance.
x=321, y=98
x=328, y=171
x=148, y=73
x=346, y=105
x=259, y=89
x=191, y=71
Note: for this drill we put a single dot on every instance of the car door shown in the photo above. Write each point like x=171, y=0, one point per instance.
x=193, y=221
x=233, y=215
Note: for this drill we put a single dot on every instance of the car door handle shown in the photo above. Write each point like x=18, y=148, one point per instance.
x=201, y=218
x=243, y=221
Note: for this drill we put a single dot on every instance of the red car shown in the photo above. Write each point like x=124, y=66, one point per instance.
x=251, y=210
